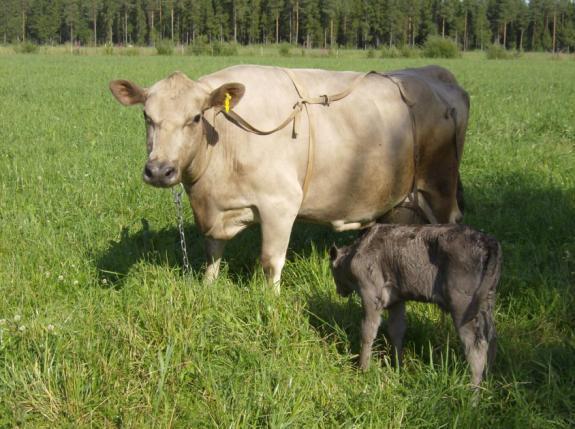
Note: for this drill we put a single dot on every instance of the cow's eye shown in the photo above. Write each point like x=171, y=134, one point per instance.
x=194, y=120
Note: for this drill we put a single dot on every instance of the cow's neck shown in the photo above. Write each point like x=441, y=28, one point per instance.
x=202, y=153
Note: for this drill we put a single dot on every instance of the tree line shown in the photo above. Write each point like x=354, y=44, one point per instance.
x=518, y=24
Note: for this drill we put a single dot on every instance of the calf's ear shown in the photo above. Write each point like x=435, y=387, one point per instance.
x=232, y=92
x=127, y=93
x=333, y=252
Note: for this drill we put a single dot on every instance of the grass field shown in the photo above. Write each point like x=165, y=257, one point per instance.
x=100, y=328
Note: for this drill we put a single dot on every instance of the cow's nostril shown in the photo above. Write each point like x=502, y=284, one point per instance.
x=169, y=172
x=148, y=172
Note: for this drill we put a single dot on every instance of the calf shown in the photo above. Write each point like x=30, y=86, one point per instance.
x=453, y=266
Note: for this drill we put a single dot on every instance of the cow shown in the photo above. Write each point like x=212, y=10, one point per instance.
x=344, y=160
x=453, y=266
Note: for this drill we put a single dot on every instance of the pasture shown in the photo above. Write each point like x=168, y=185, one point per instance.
x=99, y=327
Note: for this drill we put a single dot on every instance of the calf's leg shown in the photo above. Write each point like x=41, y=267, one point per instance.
x=396, y=327
x=476, y=347
x=369, y=327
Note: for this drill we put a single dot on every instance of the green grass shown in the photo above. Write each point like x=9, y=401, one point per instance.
x=100, y=328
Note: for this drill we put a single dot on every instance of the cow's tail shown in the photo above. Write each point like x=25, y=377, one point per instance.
x=459, y=131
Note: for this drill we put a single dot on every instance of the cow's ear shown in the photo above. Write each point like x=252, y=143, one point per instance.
x=127, y=93
x=226, y=96
x=333, y=251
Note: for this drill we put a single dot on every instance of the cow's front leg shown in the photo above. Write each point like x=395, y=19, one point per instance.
x=214, y=252
x=276, y=231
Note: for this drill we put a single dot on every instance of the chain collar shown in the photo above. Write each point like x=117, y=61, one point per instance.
x=177, y=194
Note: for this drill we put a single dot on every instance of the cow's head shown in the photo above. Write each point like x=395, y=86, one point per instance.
x=174, y=113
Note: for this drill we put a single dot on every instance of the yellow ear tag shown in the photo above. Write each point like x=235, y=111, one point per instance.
x=227, y=102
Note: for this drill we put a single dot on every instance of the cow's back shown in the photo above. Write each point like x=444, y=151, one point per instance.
x=362, y=144
x=362, y=148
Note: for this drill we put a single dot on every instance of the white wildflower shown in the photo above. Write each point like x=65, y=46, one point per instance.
x=22, y=328
x=50, y=328
x=2, y=322
x=76, y=282
x=17, y=318
x=104, y=281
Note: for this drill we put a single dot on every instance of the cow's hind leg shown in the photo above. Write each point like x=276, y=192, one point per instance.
x=276, y=231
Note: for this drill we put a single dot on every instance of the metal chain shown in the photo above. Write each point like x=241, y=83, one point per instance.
x=180, y=213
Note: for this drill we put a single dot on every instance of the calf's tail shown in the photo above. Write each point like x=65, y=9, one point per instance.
x=487, y=291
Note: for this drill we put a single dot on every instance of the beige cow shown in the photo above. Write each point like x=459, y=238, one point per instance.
x=345, y=164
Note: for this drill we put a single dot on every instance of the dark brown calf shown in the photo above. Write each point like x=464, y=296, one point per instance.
x=453, y=266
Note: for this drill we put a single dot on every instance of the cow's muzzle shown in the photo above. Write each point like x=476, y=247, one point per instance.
x=160, y=174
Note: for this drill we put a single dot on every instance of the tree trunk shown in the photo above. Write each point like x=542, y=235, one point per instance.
x=505, y=35
x=290, y=27
x=277, y=28
x=110, y=35
x=235, y=24
x=465, y=33
x=125, y=26
x=297, y=22
x=554, y=31
x=443, y=27
x=331, y=33
x=161, y=28
x=533, y=36
x=95, y=27
x=172, y=12
x=151, y=29
x=521, y=40
x=412, y=35
x=23, y=26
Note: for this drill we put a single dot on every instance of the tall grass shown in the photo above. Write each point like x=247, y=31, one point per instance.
x=99, y=327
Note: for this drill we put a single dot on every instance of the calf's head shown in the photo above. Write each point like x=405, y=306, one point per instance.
x=340, y=264
x=175, y=125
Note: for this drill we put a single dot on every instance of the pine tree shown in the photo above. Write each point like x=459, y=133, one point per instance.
x=110, y=9
x=140, y=23
x=95, y=6
x=45, y=21
x=446, y=13
x=72, y=18
x=481, y=25
x=522, y=20
x=427, y=26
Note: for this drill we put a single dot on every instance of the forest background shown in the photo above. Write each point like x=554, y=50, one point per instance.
x=537, y=25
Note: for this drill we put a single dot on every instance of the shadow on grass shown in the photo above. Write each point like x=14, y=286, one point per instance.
x=329, y=314
x=154, y=247
x=241, y=257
